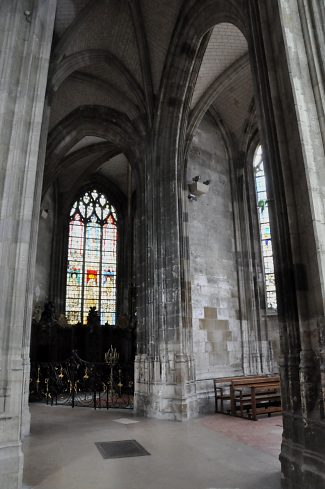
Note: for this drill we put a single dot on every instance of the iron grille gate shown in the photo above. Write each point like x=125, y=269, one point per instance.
x=76, y=382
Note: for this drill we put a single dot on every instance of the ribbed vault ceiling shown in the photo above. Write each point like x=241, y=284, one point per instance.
x=112, y=53
x=226, y=45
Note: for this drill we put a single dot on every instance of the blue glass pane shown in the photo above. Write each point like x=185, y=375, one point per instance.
x=267, y=248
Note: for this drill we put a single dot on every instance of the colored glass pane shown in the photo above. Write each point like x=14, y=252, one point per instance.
x=265, y=230
x=91, y=271
x=267, y=248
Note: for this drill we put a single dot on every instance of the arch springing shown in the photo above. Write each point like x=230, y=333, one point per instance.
x=92, y=258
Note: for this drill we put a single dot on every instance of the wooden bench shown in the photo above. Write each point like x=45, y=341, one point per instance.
x=224, y=390
x=258, y=397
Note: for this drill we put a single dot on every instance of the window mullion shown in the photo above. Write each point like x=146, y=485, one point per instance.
x=100, y=270
x=83, y=270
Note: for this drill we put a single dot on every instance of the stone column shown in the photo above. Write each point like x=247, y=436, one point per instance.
x=164, y=366
x=303, y=28
x=256, y=346
x=25, y=37
x=287, y=39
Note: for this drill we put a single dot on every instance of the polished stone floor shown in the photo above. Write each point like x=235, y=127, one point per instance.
x=211, y=452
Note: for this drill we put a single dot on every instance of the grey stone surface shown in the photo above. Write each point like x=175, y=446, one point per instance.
x=24, y=63
x=44, y=251
x=215, y=301
x=122, y=80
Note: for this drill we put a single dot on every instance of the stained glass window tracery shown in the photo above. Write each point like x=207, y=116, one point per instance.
x=92, y=258
x=265, y=231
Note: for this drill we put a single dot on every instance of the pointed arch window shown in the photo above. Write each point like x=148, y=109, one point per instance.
x=92, y=262
x=265, y=230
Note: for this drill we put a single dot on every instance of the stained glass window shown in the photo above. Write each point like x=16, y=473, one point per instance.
x=91, y=271
x=265, y=231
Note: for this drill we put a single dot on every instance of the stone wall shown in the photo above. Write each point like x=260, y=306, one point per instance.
x=215, y=301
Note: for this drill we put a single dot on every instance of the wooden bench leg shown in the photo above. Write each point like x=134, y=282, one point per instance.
x=232, y=401
x=254, y=404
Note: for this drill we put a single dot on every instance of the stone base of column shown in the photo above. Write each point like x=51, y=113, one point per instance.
x=165, y=388
x=26, y=416
x=11, y=465
x=260, y=361
x=25, y=423
x=303, y=467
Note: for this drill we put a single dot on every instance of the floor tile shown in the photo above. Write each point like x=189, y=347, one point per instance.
x=125, y=421
x=213, y=451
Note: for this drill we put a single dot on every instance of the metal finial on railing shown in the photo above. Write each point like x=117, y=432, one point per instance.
x=112, y=356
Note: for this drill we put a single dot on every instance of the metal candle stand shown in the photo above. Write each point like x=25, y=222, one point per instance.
x=111, y=358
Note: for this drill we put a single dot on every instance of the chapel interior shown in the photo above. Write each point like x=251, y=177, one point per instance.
x=162, y=181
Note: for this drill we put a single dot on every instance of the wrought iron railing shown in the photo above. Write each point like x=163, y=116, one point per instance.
x=76, y=382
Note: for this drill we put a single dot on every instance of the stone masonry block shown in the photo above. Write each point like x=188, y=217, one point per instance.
x=210, y=313
x=215, y=336
x=208, y=324
x=227, y=336
x=217, y=358
x=223, y=324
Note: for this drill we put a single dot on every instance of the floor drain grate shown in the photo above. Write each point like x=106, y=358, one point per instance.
x=121, y=449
